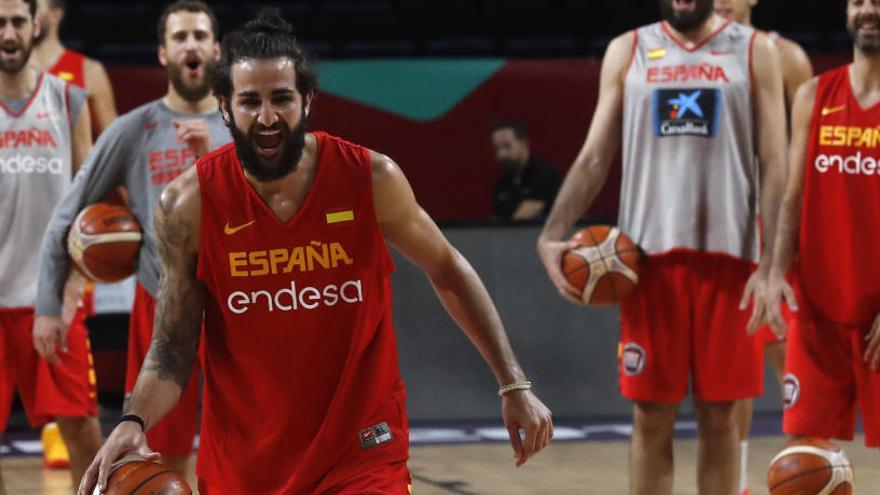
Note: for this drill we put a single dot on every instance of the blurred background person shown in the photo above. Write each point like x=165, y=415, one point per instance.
x=796, y=70
x=53, y=57
x=528, y=184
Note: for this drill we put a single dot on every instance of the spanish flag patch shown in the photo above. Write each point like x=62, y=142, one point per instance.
x=655, y=54
x=340, y=216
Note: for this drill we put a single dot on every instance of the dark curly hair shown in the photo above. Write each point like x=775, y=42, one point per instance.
x=266, y=36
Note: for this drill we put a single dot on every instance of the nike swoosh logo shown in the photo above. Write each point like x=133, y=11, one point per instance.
x=829, y=111
x=231, y=230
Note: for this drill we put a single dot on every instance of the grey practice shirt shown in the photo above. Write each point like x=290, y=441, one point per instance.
x=690, y=177
x=36, y=166
x=138, y=151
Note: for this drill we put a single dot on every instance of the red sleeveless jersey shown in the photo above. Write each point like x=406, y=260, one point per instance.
x=302, y=387
x=839, y=236
x=70, y=67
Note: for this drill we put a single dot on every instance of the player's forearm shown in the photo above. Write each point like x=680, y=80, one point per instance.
x=580, y=188
x=773, y=188
x=785, y=242
x=173, y=351
x=55, y=263
x=54, y=269
x=153, y=397
x=468, y=303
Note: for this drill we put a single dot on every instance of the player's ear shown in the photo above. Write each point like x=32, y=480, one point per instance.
x=163, y=56
x=307, y=101
x=217, y=51
x=223, y=106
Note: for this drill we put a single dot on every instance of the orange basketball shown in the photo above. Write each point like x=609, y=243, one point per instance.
x=104, y=241
x=605, y=267
x=143, y=477
x=810, y=467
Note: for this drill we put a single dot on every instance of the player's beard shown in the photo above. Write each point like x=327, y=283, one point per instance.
x=195, y=91
x=293, y=144
x=867, y=44
x=14, y=67
x=684, y=22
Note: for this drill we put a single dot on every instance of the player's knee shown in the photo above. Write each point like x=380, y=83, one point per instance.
x=655, y=420
x=716, y=417
x=80, y=432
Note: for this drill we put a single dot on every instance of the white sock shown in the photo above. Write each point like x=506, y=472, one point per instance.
x=743, y=466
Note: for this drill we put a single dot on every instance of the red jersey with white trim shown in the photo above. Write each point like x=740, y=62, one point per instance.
x=70, y=67
x=302, y=387
x=839, y=232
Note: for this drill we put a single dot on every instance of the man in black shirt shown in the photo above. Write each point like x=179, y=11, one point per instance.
x=528, y=186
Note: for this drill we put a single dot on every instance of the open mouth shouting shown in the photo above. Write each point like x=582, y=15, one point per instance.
x=684, y=5
x=193, y=66
x=268, y=142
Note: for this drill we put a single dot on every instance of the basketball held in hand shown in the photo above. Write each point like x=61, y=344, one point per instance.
x=134, y=475
x=104, y=241
x=604, y=267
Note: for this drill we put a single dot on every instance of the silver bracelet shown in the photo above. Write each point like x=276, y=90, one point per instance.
x=523, y=385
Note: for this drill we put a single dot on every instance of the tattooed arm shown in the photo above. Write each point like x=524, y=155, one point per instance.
x=179, y=304
x=178, y=318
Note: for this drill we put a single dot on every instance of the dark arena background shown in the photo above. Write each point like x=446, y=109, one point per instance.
x=423, y=81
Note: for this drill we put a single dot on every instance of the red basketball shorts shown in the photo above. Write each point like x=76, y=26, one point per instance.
x=683, y=326
x=388, y=479
x=174, y=434
x=46, y=390
x=826, y=377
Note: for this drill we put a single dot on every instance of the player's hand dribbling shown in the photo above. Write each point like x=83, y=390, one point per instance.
x=551, y=253
x=195, y=134
x=125, y=439
x=522, y=410
x=50, y=332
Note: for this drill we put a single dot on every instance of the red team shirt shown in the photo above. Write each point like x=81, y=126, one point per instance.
x=300, y=353
x=839, y=266
x=70, y=67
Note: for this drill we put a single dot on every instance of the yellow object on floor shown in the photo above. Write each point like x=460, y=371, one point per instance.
x=55, y=454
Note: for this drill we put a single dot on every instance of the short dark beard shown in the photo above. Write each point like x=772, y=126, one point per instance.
x=291, y=150
x=16, y=68
x=192, y=94
x=866, y=45
x=686, y=22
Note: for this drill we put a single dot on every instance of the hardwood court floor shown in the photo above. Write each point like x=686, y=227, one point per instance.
x=565, y=468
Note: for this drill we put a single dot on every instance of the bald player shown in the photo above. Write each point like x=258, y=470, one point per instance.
x=696, y=102
x=796, y=70
x=144, y=150
x=44, y=137
x=53, y=57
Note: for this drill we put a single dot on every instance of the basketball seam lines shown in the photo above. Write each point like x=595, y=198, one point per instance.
x=144, y=482
x=805, y=473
